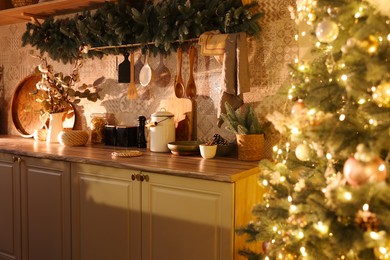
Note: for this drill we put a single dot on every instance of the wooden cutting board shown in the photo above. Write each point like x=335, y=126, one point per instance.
x=183, y=109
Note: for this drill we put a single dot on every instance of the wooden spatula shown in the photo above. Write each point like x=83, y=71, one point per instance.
x=132, y=90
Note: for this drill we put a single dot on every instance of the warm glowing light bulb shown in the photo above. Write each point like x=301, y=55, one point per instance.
x=302, y=67
x=265, y=183
x=303, y=251
x=303, y=33
x=293, y=208
x=357, y=15
x=328, y=156
x=301, y=235
x=275, y=148
x=366, y=207
x=342, y=117
x=289, y=198
x=348, y=196
x=344, y=77
x=275, y=228
x=295, y=130
x=383, y=250
x=282, y=179
x=321, y=227
x=361, y=101
x=296, y=37
x=388, y=37
x=318, y=44
x=374, y=235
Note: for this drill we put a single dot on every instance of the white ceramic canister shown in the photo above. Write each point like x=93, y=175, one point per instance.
x=162, y=131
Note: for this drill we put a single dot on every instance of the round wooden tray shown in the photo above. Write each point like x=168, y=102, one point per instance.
x=25, y=109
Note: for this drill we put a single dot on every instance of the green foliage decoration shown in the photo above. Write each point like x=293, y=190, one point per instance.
x=167, y=24
x=242, y=121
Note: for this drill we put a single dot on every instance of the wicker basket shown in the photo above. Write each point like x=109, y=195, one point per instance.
x=17, y=3
x=73, y=137
x=250, y=147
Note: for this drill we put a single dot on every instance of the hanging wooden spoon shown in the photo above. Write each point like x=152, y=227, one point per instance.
x=179, y=84
x=191, y=87
x=132, y=90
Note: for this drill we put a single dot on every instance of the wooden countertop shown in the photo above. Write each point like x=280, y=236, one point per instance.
x=222, y=169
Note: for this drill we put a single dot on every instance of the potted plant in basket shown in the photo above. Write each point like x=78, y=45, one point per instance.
x=56, y=93
x=248, y=130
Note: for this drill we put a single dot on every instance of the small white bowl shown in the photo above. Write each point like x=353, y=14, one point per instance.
x=208, y=151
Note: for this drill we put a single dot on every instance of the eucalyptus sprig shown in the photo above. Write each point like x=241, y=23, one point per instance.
x=56, y=91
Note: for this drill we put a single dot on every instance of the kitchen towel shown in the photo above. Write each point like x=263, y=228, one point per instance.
x=235, y=73
x=212, y=43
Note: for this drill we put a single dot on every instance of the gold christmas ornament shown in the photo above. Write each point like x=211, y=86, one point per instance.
x=381, y=95
x=327, y=31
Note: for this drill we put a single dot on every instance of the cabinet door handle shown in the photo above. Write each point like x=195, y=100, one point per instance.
x=141, y=177
x=16, y=159
x=133, y=177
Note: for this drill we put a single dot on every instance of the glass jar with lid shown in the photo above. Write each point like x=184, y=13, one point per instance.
x=98, y=122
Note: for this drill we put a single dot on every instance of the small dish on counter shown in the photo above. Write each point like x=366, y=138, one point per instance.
x=184, y=147
x=208, y=151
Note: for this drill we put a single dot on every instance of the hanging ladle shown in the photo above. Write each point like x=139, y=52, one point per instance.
x=179, y=84
x=191, y=87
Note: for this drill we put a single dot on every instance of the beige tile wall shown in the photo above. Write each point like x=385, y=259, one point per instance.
x=268, y=56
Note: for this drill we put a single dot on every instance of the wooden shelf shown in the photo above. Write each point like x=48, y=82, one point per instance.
x=45, y=9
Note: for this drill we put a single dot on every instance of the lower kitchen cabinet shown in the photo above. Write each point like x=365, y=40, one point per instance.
x=123, y=214
x=184, y=218
x=10, y=235
x=106, y=213
x=37, y=224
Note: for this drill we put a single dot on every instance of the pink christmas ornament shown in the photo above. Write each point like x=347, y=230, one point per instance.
x=358, y=172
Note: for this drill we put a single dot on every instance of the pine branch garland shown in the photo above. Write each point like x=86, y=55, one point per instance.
x=168, y=24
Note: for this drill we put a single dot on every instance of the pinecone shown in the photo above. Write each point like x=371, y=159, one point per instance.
x=367, y=220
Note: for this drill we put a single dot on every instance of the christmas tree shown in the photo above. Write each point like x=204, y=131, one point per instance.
x=327, y=193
